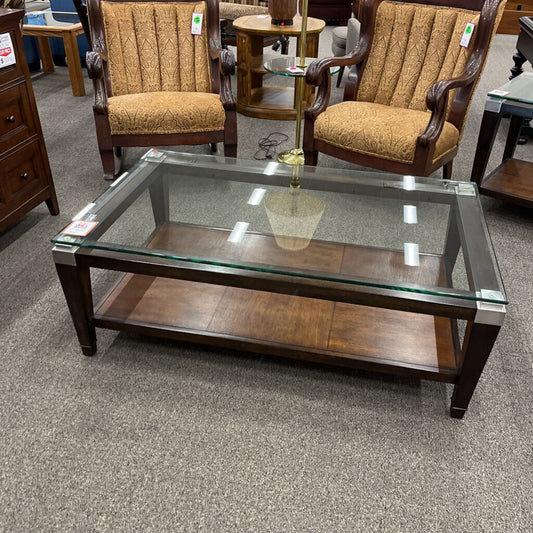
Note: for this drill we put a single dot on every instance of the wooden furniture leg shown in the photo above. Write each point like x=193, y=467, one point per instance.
x=519, y=59
x=52, y=204
x=159, y=199
x=76, y=285
x=487, y=133
x=72, y=54
x=478, y=343
x=512, y=136
x=46, y=54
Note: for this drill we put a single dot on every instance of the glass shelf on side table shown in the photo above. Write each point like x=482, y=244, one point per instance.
x=289, y=66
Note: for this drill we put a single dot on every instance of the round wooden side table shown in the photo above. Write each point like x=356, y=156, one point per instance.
x=268, y=101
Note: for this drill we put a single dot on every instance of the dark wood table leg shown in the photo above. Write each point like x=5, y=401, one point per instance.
x=452, y=246
x=76, y=285
x=159, y=198
x=478, y=342
x=519, y=59
x=487, y=133
x=512, y=136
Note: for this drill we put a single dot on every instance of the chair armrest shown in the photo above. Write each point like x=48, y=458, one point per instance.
x=318, y=74
x=226, y=68
x=95, y=69
x=437, y=99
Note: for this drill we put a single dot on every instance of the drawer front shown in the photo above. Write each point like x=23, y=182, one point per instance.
x=22, y=176
x=16, y=121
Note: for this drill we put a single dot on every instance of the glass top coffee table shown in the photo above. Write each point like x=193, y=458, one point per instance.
x=357, y=269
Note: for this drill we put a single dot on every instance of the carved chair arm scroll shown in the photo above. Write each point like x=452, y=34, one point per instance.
x=226, y=68
x=437, y=99
x=95, y=69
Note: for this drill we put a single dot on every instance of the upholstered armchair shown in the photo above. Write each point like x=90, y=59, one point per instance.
x=155, y=83
x=409, y=87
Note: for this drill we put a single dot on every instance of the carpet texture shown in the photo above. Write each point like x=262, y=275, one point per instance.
x=165, y=436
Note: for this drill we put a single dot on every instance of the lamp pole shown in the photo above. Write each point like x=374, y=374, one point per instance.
x=296, y=155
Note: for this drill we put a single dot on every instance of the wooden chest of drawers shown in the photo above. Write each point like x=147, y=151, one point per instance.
x=25, y=177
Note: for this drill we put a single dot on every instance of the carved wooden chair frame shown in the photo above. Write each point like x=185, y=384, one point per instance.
x=222, y=63
x=318, y=74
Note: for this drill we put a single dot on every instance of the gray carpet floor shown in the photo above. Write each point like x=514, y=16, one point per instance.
x=162, y=436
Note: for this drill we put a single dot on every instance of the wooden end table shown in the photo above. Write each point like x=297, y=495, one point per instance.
x=512, y=179
x=68, y=32
x=268, y=101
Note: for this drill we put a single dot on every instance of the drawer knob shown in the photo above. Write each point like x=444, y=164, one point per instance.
x=24, y=175
x=10, y=119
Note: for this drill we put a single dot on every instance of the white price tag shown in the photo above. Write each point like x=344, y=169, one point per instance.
x=196, y=23
x=294, y=70
x=79, y=228
x=7, y=53
x=498, y=92
x=467, y=34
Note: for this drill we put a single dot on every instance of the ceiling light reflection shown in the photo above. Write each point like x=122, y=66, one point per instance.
x=239, y=230
x=410, y=254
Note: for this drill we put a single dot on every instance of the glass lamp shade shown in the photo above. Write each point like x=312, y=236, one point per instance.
x=294, y=216
x=282, y=11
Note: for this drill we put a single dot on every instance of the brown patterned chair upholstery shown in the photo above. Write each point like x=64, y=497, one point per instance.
x=155, y=83
x=13, y=4
x=409, y=88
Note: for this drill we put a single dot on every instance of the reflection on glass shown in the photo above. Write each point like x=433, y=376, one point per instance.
x=238, y=232
x=294, y=216
x=256, y=197
x=410, y=253
x=409, y=214
x=271, y=168
x=409, y=183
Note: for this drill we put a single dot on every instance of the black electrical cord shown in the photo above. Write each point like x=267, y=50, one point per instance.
x=267, y=145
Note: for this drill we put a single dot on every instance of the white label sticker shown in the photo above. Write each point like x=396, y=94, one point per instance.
x=79, y=228
x=7, y=53
x=467, y=34
x=196, y=23
x=294, y=70
x=498, y=92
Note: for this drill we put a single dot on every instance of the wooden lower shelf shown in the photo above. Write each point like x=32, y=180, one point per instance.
x=271, y=102
x=512, y=181
x=291, y=326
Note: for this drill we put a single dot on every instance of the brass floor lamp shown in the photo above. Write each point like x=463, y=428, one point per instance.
x=295, y=156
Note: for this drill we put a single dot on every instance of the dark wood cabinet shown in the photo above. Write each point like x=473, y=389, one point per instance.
x=25, y=177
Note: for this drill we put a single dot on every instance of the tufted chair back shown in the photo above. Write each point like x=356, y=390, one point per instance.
x=414, y=46
x=150, y=47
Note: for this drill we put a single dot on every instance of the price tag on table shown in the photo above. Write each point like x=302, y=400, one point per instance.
x=7, y=53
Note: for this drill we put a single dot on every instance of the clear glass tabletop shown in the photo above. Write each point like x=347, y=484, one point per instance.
x=289, y=66
x=365, y=228
x=519, y=89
